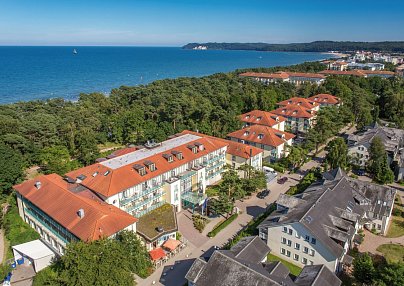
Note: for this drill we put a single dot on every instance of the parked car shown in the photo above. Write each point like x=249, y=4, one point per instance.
x=282, y=180
x=263, y=194
x=359, y=172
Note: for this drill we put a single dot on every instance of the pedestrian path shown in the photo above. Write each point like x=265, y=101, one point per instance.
x=372, y=242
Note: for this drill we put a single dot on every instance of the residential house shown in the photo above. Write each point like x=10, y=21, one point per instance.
x=272, y=141
x=263, y=118
x=245, y=265
x=337, y=65
x=359, y=144
x=300, y=113
x=62, y=212
x=365, y=66
x=360, y=73
x=326, y=99
x=319, y=225
x=266, y=77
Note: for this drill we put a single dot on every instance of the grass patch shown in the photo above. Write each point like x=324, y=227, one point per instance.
x=392, y=252
x=108, y=145
x=396, y=228
x=163, y=216
x=199, y=222
x=294, y=269
x=222, y=225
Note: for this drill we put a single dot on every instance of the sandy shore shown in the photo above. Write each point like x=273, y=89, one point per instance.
x=338, y=55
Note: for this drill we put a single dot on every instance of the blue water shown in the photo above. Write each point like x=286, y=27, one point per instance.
x=28, y=73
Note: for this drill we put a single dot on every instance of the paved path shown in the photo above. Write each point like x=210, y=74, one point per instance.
x=372, y=241
x=1, y=245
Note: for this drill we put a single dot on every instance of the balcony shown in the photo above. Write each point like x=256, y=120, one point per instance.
x=143, y=193
x=218, y=164
x=153, y=207
x=214, y=174
x=213, y=159
x=144, y=202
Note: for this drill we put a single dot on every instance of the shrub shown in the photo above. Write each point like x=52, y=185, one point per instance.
x=199, y=222
x=222, y=225
x=397, y=212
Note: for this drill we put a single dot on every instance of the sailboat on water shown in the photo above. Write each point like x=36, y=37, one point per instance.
x=74, y=52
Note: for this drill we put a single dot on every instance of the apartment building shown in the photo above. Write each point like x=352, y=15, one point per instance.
x=264, y=118
x=274, y=142
x=292, y=77
x=300, y=113
x=360, y=73
x=326, y=99
x=337, y=65
x=237, y=154
x=62, y=212
x=319, y=225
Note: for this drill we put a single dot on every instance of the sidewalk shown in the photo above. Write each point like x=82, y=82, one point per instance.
x=371, y=242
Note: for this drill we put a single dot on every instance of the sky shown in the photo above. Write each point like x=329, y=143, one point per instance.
x=178, y=22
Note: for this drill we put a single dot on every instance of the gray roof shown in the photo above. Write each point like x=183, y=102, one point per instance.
x=317, y=275
x=251, y=249
x=277, y=268
x=288, y=201
x=334, y=174
x=225, y=270
x=196, y=268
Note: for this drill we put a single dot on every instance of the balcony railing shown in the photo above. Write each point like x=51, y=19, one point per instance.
x=149, y=209
x=144, y=202
x=214, y=174
x=143, y=193
x=218, y=164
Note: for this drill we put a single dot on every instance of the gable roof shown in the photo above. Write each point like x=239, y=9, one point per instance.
x=296, y=111
x=251, y=249
x=62, y=202
x=334, y=72
x=279, y=75
x=233, y=148
x=262, y=135
x=262, y=118
x=325, y=98
x=117, y=174
x=300, y=101
x=317, y=275
x=306, y=75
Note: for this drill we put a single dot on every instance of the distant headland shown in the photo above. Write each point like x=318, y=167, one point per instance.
x=317, y=46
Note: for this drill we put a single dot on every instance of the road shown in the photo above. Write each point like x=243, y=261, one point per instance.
x=173, y=272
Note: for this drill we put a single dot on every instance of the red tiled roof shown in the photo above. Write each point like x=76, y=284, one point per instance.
x=109, y=182
x=265, y=75
x=171, y=244
x=304, y=102
x=377, y=72
x=233, y=148
x=157, y=254
x=325, y=98
x=334, y=72
x=56, y=200
x=270, y=136
x=303, y=74
x=262, y=117
x=296, y=111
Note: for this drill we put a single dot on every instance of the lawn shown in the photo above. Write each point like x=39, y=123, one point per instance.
x=294, y=269
x=392, y=252
x=396, y=228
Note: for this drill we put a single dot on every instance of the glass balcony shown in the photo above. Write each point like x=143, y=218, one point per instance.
x=218, y=164
x=144, y=202
x=143, y=193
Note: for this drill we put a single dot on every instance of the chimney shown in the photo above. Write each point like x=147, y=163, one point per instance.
x=38, y=185
x=80, y=213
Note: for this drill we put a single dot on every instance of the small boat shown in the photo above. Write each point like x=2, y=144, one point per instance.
x=74, y=52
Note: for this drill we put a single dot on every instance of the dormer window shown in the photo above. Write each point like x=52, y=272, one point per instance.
x=193, y=148
x=247, y=116
x=149, y=164
x=140, y=169
x=260, y=136
x=259, y=118
x=177, y=154
x=246, y=133
x=168, y=157
x=294, y=112
x=199, y=146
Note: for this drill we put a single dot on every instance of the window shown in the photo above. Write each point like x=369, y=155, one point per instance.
x=283, y=240
x=285, y=229
x=233, y=158
x=289, y=242
x=311, y=262
x=307, y=238
x=296, y=257
x=288, y=253
x=304, y=260
x=283, y=251
x=290, y=231
x=297, y=235
x=297, y=246
x=305, y=249
x=312, y=252
x=313, y=240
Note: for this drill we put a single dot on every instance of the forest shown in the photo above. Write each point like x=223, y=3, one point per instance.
x=60, y=135
x=317, y=46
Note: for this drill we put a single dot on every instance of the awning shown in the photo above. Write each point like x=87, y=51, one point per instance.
x=157, y=254
x=35, y=249
x=171, y=244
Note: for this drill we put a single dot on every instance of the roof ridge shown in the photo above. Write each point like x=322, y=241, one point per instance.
x=318, y=274
x=246, y=246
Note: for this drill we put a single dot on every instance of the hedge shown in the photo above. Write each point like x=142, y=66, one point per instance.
x=221, y=226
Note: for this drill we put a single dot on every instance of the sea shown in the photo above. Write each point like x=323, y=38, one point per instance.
x=39, y=73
